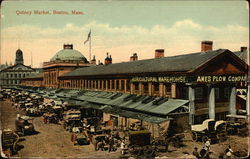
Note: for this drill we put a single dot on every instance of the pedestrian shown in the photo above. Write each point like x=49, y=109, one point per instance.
x=94, y=142
x=45, y=118
x=196, y=153
x=204, y=153
x=73, y=137
x=18, y=116
x=207, y=145
x=111, y=143
x=123, y=147
x=91, y=137
x=229, y=152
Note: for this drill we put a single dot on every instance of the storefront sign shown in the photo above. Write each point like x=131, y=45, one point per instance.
x=185, y=79
x=208, y=79
x=167, y=79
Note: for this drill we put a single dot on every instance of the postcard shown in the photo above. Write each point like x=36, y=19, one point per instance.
x=124, y=79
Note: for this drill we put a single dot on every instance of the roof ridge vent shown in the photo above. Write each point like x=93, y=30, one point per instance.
x=68, y=46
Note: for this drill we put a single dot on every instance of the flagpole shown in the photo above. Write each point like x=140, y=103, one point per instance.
x=90, y=47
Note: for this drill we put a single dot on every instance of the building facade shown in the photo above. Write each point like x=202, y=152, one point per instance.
x=66, y=60
x=13, y=75
x=208, y=80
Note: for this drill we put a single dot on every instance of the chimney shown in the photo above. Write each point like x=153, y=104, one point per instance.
x=108, y=59
x=67, y=46
x=243, y=48
x=206, y=46
x=159, y=53
x=134, y=57
x=93, y=61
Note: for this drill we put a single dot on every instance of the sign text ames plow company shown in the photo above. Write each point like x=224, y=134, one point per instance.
x=184, y=79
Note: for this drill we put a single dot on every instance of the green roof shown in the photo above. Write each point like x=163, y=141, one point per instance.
x=68, y=54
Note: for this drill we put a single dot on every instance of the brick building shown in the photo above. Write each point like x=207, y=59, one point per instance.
x=208, y=80
x=65, y=60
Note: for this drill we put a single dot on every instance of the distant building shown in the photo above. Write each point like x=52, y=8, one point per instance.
x=64, y=61
x=12, y=75
x=3, y=66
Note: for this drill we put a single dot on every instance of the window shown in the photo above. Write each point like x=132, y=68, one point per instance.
x=112, y=86
x=217, y=93
x=145, y=87
x=198, y=93
x=104, y=84
x=226, y=92
x=117, y=84
x=168, y=89
x=156, y=87
x=136, y=85
x=128, y=85
x=122, y=84
x=185, y=93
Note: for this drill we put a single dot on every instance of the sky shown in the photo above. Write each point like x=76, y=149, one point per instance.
x=120, y=28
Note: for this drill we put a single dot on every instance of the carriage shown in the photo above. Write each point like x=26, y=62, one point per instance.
x=203, y=132
x=140, y=144
x=24, y=125
x=237, y=125
x=9, y=141
x=221, y=130
x=79, y=136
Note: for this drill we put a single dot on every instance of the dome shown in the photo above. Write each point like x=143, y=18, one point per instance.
x=19, y=51
x=68, y=53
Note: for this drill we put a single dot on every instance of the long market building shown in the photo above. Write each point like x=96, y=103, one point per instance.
x=202, y=85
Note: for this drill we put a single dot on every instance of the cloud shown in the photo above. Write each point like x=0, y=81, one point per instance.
x=182, y=37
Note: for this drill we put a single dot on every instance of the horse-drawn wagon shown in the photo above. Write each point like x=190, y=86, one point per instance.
x=9, y=141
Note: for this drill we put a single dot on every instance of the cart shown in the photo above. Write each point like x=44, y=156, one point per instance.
x=237, y=125
x=24, y=125
x=9, y=141
x=221, y=130
x=203, y=132
x=140, y=144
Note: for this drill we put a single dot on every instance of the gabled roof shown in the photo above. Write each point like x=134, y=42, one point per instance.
x=181, y=63
x=13, y=66
x=242, y=55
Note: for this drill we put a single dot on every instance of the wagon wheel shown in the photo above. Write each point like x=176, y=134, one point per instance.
x=148, y=151
x=204, y=138
x=194, y=136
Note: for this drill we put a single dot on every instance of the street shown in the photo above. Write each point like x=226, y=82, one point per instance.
x=51, y=140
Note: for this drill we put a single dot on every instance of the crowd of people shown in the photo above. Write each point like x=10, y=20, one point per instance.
x=205, y=152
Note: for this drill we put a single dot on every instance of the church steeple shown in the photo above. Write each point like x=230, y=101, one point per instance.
x=19, y=57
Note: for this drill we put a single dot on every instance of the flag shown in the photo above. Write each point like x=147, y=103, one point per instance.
x=87, y=37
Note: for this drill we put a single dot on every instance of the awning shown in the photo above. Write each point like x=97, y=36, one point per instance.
x=134, y=115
